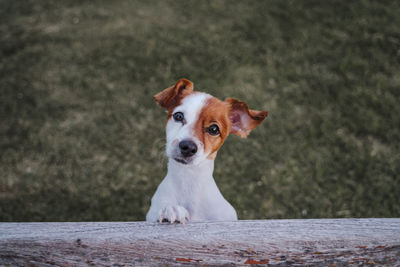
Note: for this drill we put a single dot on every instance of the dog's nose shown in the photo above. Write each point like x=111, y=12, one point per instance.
x=188, y=148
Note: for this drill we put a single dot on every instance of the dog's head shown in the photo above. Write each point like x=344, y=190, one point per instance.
x=198, y=123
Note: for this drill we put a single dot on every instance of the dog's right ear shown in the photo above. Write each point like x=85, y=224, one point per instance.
x=171, y=96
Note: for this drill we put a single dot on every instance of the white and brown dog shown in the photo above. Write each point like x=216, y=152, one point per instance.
x=197, y=125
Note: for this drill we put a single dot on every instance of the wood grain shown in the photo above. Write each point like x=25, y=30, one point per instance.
x=326, y=242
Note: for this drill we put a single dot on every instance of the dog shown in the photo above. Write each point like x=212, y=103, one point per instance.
x=197, y=125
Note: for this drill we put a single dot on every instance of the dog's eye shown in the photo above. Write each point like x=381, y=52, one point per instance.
x=213, y=129
x=178, y=116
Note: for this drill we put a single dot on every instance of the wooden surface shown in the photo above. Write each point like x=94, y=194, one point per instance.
x=325, y=242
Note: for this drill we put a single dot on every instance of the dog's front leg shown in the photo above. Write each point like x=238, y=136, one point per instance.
x=164, y=205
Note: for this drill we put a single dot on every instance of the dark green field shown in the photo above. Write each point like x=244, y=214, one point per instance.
x=81, y=137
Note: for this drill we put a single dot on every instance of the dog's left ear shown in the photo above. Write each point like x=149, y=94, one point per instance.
x=171, y=96
x=243, y=119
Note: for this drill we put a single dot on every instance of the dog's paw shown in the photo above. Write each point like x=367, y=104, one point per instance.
x=174, y=214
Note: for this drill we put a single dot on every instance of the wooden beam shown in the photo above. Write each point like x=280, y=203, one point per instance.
x=276, y=242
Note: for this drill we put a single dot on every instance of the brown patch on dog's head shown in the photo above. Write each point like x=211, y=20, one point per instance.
x=214, y=112
x=172, y=96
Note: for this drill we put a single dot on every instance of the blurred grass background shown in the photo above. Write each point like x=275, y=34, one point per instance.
x=81, y=137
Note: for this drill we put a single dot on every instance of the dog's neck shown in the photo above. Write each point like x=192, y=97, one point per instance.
x=203, y=170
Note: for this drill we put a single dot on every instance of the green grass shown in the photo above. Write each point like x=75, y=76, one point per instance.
x=81, y=137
